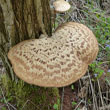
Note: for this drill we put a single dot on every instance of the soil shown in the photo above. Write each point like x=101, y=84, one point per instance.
x=68, y=97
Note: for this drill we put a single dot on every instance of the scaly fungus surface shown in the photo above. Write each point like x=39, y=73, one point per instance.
x=61, y=6
x=57, y=61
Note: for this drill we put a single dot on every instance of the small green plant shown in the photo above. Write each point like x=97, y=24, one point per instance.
x=96, y=68
x=56, y=106
x=89, y=101
x=74, y=103
x=72, y=87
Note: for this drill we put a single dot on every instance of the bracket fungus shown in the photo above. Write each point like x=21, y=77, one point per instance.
x=61, y=6
x=58, y=60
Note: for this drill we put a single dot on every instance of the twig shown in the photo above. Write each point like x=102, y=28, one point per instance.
x=78, y=104
x=101, y=46
x=12, y=106
x=106, y=62
x=107, y=107
x=26, y=103
x=93, y=94
x=106, y=98
x=100, y=94
x=62, y=98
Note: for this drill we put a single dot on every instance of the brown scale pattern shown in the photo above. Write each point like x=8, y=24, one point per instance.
x=56, y=61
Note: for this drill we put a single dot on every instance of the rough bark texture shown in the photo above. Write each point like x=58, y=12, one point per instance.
x=21, y=20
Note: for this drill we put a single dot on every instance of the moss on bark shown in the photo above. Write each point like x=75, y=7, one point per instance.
x=29, y=97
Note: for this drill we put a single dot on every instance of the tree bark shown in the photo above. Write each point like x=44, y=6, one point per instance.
x=21, y=20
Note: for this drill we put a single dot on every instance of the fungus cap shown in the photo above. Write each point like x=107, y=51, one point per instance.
x=61, y=6
x=57, y=61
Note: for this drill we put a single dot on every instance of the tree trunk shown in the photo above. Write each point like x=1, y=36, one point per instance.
x=21, y=20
